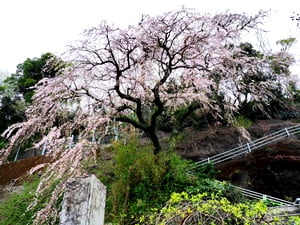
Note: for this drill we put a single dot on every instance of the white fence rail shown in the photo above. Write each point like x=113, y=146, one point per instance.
x=247, y=148
x=259, y=196
x=250, y=146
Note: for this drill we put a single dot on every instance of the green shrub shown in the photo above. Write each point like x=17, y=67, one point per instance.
x=205, y=208
x=138, y=180
x=241, y=121
x=143, y=180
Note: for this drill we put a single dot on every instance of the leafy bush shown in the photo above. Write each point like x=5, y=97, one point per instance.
x=143, y=180
x=204, y=208
x=139, y=181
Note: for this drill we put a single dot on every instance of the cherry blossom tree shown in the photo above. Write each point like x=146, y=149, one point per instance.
x=164, y=63
x=134, y=75
x=259, y=79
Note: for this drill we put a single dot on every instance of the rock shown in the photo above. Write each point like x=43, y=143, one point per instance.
x=84, y=202
x=5, y=191
x=197, y=145
x=273, y=170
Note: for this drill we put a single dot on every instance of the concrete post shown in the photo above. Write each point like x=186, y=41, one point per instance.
x=84, y=202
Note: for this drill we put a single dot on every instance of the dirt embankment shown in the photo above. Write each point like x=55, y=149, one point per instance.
x=273, y=169
x=14, y=171
x=197, y=145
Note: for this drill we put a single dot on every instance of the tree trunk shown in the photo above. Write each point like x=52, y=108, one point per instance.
x=155, y=141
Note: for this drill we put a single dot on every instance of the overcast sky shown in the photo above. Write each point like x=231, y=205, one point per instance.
x=32, y=27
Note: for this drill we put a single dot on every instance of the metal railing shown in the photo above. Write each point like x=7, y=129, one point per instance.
x=247, y=148
x=250, y=146
x=259, y=196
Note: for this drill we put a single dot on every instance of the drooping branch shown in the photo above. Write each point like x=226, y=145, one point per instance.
x=141, y=61
x=177, y=60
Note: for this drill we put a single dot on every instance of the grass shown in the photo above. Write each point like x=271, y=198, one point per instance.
x=14, y=209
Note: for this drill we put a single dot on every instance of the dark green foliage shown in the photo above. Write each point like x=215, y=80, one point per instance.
x=248, y=110
x=138, y=180
x=165, y=122
x=18, y=88
x=277, y=109
x=16, y=91
x=143, y=180
x=277, y=102
x=296, y=93
x=10, y=112
x=28, y=74
x=193, y=116
x=249, y=50
x=205, y=171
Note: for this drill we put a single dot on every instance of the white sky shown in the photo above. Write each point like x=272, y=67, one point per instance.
x=29, y=28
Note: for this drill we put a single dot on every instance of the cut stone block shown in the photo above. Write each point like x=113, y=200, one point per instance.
x=84, y=202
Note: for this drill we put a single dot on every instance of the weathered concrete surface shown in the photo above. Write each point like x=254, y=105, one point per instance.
x=84, y=202
x=285, y=210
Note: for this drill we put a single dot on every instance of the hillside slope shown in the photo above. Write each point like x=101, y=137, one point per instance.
x=273, y=170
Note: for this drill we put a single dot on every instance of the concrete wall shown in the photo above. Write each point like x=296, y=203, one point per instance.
x=84, y=202
x=285, y=210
